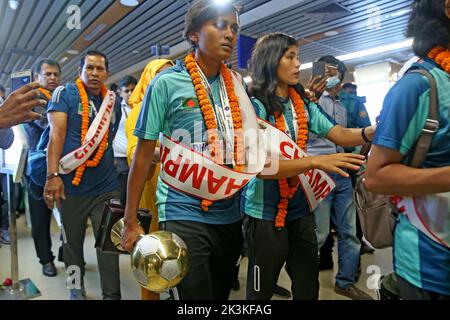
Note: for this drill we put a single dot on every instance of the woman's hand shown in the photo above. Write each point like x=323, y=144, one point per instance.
x=335, y=163
x=130, y=235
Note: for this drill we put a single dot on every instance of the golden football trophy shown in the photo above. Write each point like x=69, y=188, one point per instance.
x=159, y=260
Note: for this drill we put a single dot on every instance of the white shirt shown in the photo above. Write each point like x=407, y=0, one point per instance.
x=120, y=141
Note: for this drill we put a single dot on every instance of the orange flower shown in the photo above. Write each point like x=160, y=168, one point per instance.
x=441, y=56
x=46, y=93
x=288, y=187
x=210, y=118
x=84, y=129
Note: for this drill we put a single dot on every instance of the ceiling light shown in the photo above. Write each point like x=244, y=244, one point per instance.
x=13, y=4
x=248, y=79
x=306, y=66
x=64, y=59
x=73, y=52
x=368, y=52
x=376, y=50
x=129, y=3
x=135, y=51
x=221, y=2
x=331, y=33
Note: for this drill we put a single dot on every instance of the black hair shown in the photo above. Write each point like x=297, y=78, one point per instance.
x=266, y=56
x=349, y=85
x=429, y=26
x=94, y=53
x=202, y=11
x=113, y=87
x=340, y=65
x=126, y=81
x=37, y=68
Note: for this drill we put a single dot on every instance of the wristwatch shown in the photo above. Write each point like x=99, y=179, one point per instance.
x=52, y=175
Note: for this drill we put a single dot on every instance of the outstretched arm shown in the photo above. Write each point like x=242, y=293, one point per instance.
x=350, y=137
x=330, y=163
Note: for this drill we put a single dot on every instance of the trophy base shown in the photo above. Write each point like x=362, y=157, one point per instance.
x=26, y=290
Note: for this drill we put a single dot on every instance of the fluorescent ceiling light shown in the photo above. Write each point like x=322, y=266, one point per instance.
x=129, y=3
x=306, y=66
x=247, y=79
x=13, y=4
x=368, y=52
x=331, y=33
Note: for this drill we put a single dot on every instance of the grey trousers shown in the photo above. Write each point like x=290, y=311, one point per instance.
x=75, y=211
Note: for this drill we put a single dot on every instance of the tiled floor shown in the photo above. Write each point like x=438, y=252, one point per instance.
x=54, y=288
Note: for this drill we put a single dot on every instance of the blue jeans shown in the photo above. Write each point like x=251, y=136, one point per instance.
x=339, y=207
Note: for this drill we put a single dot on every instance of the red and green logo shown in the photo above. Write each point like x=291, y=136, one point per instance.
x=190, y=103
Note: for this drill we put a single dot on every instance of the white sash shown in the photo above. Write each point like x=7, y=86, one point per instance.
x=197, y=175
x=94, y=136
x=316, y=184
x=430, y=214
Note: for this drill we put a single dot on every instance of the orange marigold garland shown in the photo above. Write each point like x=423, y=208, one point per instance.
x=288, y=187
x=84, y=129
x=442, y=57
x=46, y=93
x=210, y=118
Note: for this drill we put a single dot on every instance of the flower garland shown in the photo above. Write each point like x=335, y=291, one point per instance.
x=46, y=93
x=288, y=187
x=442, y=57
x=210, y=118
x=84, y=129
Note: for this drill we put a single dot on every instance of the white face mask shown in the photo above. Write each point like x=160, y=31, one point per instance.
x=333, y=81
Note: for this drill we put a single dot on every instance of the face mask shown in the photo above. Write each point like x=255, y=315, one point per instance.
x=332, y=82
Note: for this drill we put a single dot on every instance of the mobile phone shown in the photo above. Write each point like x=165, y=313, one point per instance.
x=20, y=78
x=318, y=69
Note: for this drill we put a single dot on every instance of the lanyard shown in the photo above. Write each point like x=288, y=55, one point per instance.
x=294, y=122
x=223, y=115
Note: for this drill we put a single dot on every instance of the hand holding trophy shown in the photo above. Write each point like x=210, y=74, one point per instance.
x=159, y=260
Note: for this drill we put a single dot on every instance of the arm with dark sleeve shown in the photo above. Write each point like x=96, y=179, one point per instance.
x=6, y=138
x=58, y=118
x=57, y=115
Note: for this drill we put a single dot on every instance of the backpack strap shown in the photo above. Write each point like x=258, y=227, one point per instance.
x=431, y=125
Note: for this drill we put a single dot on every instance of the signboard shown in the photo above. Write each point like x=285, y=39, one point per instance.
x=245, y=47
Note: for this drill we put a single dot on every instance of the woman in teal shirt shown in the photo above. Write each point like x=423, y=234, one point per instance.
x=275, y=72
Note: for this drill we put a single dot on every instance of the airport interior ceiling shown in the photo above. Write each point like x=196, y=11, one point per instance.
x=62, y=29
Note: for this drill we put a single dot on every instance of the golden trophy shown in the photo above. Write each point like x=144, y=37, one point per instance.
x=159, y=260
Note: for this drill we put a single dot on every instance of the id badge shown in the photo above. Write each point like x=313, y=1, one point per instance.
x=199, y=147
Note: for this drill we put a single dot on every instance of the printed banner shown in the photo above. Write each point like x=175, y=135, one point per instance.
x=316, y=184
x=430, y=214
x=94, y=136
x=198, y=175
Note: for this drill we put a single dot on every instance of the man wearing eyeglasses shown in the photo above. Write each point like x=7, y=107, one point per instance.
x=126, y=87
x=48, y=73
